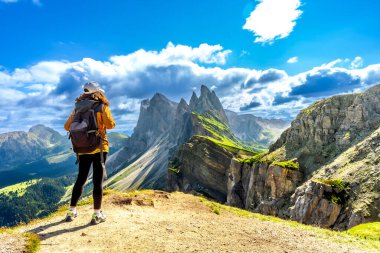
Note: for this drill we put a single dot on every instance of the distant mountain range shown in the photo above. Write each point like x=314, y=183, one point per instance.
x=255, y=130
x=40, y=152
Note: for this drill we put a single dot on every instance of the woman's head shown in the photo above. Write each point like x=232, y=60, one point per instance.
x=94, y=91
x=91, y=87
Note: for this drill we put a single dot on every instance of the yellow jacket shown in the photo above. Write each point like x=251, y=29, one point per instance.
x=104, y=120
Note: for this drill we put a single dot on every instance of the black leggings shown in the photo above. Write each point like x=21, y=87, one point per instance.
x=85, y=162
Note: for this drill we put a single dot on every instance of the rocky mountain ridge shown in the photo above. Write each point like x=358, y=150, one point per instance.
x=323, y=170
x=34, y=144
x=163, y=126
x=40, y=152
x=328, y=127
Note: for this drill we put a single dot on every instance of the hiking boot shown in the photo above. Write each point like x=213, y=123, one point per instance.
x=97, y=218
x=71, y=215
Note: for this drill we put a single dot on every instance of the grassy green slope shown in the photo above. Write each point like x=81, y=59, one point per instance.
x=220, y=133
x=20, y=188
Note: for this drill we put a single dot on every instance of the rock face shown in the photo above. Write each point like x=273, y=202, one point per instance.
x=336, y=183
x=337, y=139
x=269, y=187
x=330, y=126
x=157, y=116
x=205, y=167
x=312, y=207
x=163, y=127
x=359, y=167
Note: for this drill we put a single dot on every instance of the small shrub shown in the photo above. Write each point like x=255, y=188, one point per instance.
x=216, y=210
x=339, y=194
x=347, y=136
x=335, y=183
x=336, y=199
x=174, y=169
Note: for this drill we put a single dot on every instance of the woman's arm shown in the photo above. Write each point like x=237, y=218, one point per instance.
x=68, y=121
x=108, y=120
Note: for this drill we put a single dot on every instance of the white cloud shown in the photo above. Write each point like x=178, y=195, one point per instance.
x=48, y=89
x=273, y=19
x=332, y=63
x=357, y=62
x=292, y=60
x=9, y=97
x=45, y=71
x=208, y=54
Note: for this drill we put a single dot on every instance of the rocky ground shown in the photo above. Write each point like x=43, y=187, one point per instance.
x=161, y=222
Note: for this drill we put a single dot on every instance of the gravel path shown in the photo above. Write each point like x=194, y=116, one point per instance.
x=163, y=222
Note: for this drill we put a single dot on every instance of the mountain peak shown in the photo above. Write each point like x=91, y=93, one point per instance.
x=38, y=128
x=46, y=134
x=209, y=102
x=205, y=90
x=156, y=116
x=193, y=100
x=158, y=96
x=182, y=103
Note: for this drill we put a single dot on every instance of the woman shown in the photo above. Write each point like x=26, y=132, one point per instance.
x=92, y=91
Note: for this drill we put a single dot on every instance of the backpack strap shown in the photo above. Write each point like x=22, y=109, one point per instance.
x=102, y=159
x=99, y=108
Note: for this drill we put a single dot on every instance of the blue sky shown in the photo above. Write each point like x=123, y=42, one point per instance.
x=262, y=57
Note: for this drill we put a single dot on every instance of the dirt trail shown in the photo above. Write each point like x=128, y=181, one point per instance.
x=163, y=222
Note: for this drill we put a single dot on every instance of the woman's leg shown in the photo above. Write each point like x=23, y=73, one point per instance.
x=84, y=168
x=97, y=180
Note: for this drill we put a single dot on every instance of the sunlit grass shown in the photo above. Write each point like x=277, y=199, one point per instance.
x=19, y=188
x=366, y=230
x=33, y=242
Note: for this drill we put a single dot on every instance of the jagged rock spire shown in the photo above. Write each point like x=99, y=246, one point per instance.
x=193, y=101
x=209, y=102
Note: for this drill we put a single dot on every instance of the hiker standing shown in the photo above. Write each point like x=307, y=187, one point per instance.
x=87, y=126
